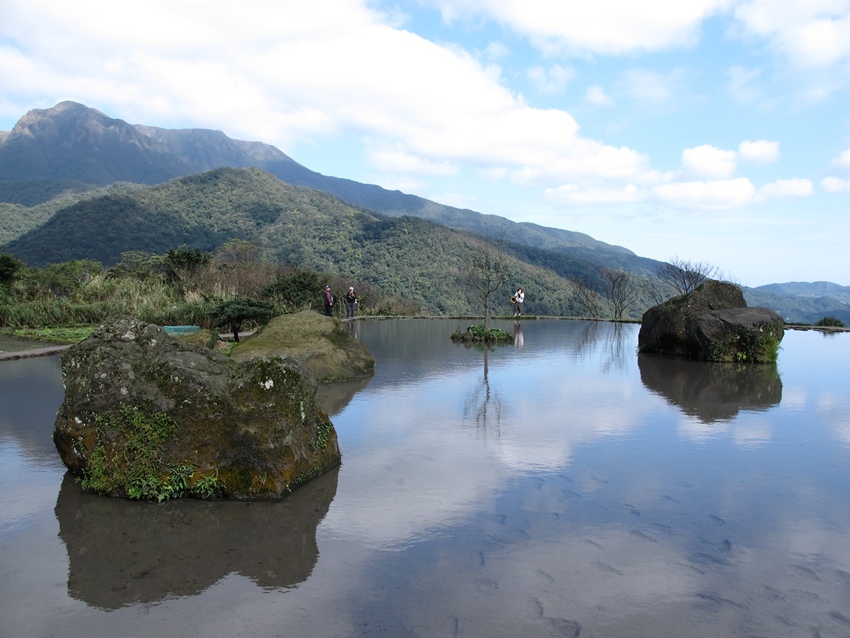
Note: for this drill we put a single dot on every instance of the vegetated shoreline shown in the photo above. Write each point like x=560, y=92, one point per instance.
x=51, y=347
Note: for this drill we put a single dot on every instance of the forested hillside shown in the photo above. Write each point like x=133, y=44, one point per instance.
x=69, y=148
x=403, y=256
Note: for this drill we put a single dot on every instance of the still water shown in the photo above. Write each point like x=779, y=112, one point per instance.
x=562, y=486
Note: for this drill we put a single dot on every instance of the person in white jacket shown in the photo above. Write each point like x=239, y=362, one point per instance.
x=520, y=298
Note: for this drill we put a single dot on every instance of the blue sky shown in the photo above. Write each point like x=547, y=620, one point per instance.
x=710, y=130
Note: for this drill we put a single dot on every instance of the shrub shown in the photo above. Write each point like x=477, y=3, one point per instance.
x=830, y=322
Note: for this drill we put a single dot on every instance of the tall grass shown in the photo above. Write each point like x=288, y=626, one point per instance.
x=81, y=293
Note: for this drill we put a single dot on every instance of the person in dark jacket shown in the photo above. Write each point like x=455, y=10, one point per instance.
x=329, y=301
x=350, y=303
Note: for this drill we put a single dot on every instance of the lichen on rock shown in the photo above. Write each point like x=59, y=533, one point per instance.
x=146, y=416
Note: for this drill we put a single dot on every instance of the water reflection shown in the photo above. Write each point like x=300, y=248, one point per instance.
x=123, y=552
x=333, y=397
x=31, y=391
x=483, y=404
x=712, y=391
x=588, y=513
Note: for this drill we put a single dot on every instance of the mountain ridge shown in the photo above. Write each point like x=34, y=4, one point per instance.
x=72, y=141
x=54, y=159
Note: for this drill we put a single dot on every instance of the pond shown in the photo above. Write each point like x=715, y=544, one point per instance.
x=561, y=486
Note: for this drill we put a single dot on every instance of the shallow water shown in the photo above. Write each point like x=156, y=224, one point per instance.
x=563, y=487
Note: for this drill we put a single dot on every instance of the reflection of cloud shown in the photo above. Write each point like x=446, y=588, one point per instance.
x=834, y=409
x=448, y=472
x=743, y=433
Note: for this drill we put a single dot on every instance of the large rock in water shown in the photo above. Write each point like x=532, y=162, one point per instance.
x=712, y=323
x=323, y=344
x=146, y=416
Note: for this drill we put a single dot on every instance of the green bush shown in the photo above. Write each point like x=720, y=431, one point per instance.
x=830, y=322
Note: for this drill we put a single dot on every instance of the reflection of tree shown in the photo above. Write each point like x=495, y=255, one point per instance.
x=124, y=552
x=615, y=348
x=484, y=404
x=712, y=391
x=587, y=339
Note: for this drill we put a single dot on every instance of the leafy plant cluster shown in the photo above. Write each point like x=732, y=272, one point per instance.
x=479, y=334
x=830, y=322
x=755, y=347
x=136, y=468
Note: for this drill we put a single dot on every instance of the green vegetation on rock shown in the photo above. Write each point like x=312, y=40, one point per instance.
x=479, y=334
x=136, y=469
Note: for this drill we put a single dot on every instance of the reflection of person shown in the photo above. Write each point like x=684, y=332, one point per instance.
x=350, y=302
x=520, y=298
x=329, y=301
x=519, y=341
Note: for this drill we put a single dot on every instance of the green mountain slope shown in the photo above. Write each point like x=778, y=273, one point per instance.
x=405, y=256
x=71, y=147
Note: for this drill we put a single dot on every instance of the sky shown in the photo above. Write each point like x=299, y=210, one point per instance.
x=711, y=131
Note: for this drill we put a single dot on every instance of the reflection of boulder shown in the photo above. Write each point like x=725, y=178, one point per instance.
x=126, y=552
x=712, y=323
x=333, y=397
x=323, y=344
x=149, y=417
x=711, y=391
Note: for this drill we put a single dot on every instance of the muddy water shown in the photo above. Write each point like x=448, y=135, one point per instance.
x=560, y=487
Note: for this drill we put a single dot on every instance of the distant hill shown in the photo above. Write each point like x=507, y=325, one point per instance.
x=71, y=147
x=83, y=167
x=404, y=256
x=809, y=289
x=802, y=302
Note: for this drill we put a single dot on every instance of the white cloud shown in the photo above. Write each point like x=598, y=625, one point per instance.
x=288, y=77
x=759, y=151
x=709, y=162
x=788, y=188
x=810, y=33
x=604, y=26
x=842, y=162
x=835, y=185
x=552, y=80
x=497, y=51
x=597, y=96
x=398, y=160
x=742, y=84
x=575, y=194
x=648, y=87
x=718, y=194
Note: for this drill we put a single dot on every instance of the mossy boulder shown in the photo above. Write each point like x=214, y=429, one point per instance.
x=146, y=416
x=323, y=344
x=713, y=323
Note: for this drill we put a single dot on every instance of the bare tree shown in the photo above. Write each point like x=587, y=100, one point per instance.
x=486, y=269
x=620, y=290
x=656, y=289
x=686, y=276
x=590, y=300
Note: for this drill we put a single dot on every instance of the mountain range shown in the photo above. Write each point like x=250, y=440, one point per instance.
x=75, y=183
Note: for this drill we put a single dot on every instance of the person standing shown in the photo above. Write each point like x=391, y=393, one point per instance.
x=350, y=303
x=329, y=301
x=520, y=298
